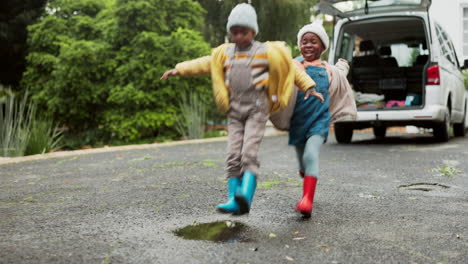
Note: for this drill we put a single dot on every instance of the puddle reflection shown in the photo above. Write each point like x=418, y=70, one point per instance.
x=222, y=231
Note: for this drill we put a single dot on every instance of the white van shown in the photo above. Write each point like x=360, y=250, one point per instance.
x=404, y=70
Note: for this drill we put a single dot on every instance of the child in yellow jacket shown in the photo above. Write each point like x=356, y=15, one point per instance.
x=250, y=80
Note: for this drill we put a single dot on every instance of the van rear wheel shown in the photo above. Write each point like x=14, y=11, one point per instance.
x=380, y=131
x=343, y=133
x=442, y=130
x=459, y=130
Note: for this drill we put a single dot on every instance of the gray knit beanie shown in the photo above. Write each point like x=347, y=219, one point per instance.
x=317, y=28
x=243, y=15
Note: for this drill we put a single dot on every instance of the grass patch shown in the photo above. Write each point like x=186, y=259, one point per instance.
x=186, y=163
x=448, y=170
x=209, y=164
x=269, y=184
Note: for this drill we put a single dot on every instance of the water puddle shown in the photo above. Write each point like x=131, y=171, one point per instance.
x=425, y=187
x=222, y=231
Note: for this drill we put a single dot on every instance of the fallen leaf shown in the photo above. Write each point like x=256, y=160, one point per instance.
x=298, y=238
x=289, y=258
x=272, y=235
x=362, y=195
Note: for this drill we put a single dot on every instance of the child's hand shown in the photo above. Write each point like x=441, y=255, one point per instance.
x=312, y=92
x=172, y=72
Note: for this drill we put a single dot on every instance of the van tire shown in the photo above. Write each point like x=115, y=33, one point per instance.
x=459, y=130
x=343, y=133
x=442, y=130
x=380, y=131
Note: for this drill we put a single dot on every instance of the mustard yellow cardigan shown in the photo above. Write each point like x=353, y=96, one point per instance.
x=283, y=74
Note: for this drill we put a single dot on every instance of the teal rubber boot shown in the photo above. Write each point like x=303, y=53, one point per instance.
x=245, y=193
x=231, y=205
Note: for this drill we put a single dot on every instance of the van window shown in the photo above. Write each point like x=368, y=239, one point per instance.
x=454, y=54
x=406, y=55
x=347, y=45
x=465, y=31
x=445, y=45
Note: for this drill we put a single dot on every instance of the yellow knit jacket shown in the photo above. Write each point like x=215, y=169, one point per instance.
x=283, y=74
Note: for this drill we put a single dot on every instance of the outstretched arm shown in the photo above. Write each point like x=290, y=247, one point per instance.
x=171, y=72
x=196, y=67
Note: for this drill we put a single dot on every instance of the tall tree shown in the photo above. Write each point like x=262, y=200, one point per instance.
x=278, y=19
x=15, y=16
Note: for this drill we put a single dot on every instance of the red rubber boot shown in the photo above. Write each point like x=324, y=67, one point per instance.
x=305, y=205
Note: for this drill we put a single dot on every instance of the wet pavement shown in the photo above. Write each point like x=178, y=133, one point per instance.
x=403, y=199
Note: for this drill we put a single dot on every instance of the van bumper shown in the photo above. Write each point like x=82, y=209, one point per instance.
x=421, y=117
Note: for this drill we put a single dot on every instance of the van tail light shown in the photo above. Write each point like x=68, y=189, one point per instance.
x=433, y=75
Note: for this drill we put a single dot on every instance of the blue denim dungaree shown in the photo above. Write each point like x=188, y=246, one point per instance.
x=311, y=117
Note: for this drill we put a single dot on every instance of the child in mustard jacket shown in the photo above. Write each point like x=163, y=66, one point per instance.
x=250, y=80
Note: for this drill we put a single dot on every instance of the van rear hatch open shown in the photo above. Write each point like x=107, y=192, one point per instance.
x=348, y=8
x=388, y=56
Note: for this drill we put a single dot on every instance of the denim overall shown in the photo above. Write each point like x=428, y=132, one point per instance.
x=311, y=117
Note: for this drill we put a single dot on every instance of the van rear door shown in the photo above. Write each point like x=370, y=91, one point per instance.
x=349, y=8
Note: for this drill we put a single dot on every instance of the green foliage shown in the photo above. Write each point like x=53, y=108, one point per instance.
x=141, y=104
x=215, y=133
x=22, y=132
x=95, y=65
x=448, y=170
x=16, y=117
x=44, y=136
x=282, y=19
x=277, y=19
x=191, y=123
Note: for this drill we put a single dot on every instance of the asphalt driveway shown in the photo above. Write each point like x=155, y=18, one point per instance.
x=400, y=200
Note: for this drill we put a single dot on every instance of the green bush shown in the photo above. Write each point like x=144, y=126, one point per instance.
x=16, y=117
x=143, y=106
x=95, y=65
x=21, y=131
x=44, y=136
x=191, y=123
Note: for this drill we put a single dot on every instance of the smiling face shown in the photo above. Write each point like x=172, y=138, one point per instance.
x=242, y=36
x=311, y=46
